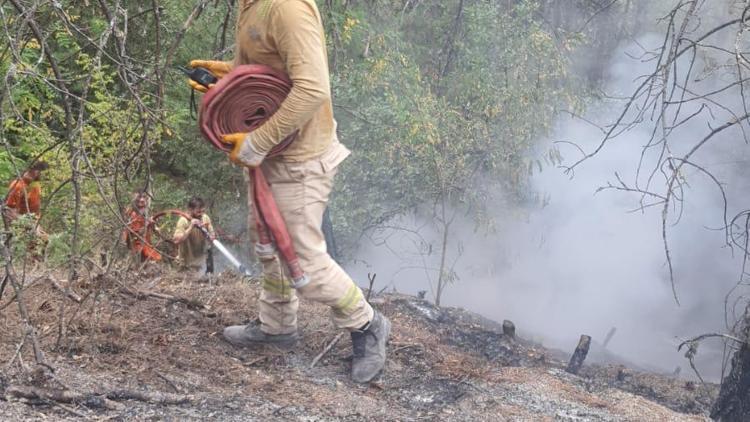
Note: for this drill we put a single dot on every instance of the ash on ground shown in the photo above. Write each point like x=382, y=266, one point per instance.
x=159, y=334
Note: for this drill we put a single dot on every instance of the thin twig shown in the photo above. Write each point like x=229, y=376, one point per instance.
x=326, y=349
x=371, y=278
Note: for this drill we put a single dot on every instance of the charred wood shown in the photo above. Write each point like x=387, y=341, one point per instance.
x=733, y=403
x=509, y=329
x=582, y=350
x=609, y=336
x=107, y=400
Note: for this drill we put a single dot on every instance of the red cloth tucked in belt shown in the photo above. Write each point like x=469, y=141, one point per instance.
x=240, y=102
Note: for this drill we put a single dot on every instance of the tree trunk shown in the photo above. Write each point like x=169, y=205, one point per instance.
x=733, y=403
x=582, y=350
x=442, y=279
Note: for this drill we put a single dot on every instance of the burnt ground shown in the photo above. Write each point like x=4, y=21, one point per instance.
x=131, y=355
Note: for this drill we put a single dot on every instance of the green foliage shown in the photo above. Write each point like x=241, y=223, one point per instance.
x=25, y=241
x=439, y=107
x=443, y=107
x=124, y=143
x=58, y=249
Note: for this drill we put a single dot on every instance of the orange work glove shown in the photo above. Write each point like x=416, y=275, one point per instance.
x=217, y=68
x=244, y=152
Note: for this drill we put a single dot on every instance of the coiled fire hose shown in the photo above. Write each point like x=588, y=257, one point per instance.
x=215, y=242
x=240, y=102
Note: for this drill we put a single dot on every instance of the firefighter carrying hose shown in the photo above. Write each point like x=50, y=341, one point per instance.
x=288, y=36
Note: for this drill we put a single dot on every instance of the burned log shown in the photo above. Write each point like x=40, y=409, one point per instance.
x=509, y=329
x=582, y=350
x=609, y=336
x=94, y=400
x=90, y=400
x=733, y=403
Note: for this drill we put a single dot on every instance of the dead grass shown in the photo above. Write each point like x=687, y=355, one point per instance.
x=443, y=364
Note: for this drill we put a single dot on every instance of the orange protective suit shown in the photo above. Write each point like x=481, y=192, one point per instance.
x=24, y=198
x=137, y=227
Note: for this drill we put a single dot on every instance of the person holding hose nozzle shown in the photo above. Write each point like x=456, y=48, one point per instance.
x=288, y=36
x=193, y=246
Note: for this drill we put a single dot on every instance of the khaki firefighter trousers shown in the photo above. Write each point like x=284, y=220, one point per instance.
x=301, y=191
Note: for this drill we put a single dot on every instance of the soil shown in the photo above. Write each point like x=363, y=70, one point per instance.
x=157, y=337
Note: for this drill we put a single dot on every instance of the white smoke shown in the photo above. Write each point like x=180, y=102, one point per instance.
x=583, y=263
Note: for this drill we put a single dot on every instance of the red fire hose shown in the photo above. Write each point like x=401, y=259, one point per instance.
x=178, y=213
x=240, y=102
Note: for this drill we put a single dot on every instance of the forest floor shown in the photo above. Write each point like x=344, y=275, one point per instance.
x=146, y=345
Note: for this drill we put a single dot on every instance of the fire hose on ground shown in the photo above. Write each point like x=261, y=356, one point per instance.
x=240, y=102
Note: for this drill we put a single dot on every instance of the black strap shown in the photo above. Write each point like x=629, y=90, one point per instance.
x=210, y=261
x=193, y=105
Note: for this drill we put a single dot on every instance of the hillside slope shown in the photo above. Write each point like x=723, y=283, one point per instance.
x=148, y=345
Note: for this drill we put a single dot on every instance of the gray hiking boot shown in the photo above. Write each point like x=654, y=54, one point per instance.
x=251, y=335
x=368, y=345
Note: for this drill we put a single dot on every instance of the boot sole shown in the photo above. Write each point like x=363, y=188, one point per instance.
x=289, y=343
x=286, y=346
